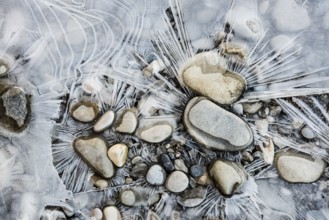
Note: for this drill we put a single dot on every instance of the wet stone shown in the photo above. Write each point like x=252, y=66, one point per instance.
x=177, y=182
x=155, y=133
x=166, y=162
x=193, y=197
x=118, y=154
x=139, y=170
x=127, y=122
x=228, y=176
x=156, y=175
x=105, y=121
x=206, y=75
x=84, y=111
x=214, y=127
x=196, y=170
x=93, y=150
x=111, y=213
x=298, y=167
x=15, y=108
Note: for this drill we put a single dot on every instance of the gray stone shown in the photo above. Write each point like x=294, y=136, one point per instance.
x=137, y=160
x=228, y=176
x=93, y=150
x=138, y=196
x=139, y=170
x=127, y=122
x=156, y=175
x=193, y=197
x=196, y=170
x=307, y=132
x=180, y=165
x=206, y=74
x=155, y=133
x=84, y=111
x=177, y=182
x=298, y=167
x=166, y=162
x=15, y=103
x=214, y=127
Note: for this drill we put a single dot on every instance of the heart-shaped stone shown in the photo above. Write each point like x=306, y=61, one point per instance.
x=207, y=74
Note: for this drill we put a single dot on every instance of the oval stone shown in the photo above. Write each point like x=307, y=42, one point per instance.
x=111, y=213
x=84, y=111
x=177, y=182
x=156, y=175
x=105, y=121
x=118, y=154
x=228, y=176
x=155, y=133
x=214, y=127
x=298, y=167
x=207, y=74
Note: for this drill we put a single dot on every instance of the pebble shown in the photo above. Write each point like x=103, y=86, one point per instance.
x=193, y=197
x=262, y=125
x=127, y=197
x=177, y=182
x=3, y=67
x=180, y=165
x=155, y=66
x=228, y=176
x=105, y=121
x=111, y=213
x=99, y=182
x=127, y=122
x=268, y=152
x=275, y=110
x=139, y=170
x=204, y=179
x=156, y=175
x=196, y=170
x=307, y=132
x=247, y=156
x=16, y=107
x=206, y=75
x=252, y=108
x=136, y=160
x=155, y=133
x=96, y=214
x=93, y=150
x=118, y=154
x=298, y=167
x=84, y=111
x=214, y=127
x=166, y=162
x=138, y=196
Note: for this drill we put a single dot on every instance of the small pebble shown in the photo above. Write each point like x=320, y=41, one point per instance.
x=252, y=108
x=307, y=132
x=84, y=111
x=196, y=170
x=155, y=133
x=139, y=170
x=166, y=162
x=180, y=165
x=264, y=112
x=156, y=175
x=118, y=154
x=127, y=122
x=97, y=214
x=127, y=197
x=105, y=121
x=177, y=182
x=136, y=160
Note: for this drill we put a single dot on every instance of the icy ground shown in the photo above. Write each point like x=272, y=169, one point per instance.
x=120, y=56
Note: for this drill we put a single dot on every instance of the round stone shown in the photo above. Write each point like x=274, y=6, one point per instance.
x=298, y=167
x=177, y=182
x=127, y=197
x=196, y=170
x=97, y=214
x=111, y=213
x=127, y=123
x=118, y=154
x=228, y=176
x=156, y=175
x=105, y=121
x=166, y=162
x=206, y=74
x=155, y=133
x=307, y=132
x=93, y=150
x=214, y=127
x=84, y=111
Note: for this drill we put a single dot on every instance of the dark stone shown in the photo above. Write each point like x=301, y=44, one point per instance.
x=139, y=170
x=167, y=163
x=196, y=170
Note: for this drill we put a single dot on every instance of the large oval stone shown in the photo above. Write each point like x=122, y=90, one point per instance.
x=298, y=167
x=93, y=150
x=228, y=176
x=214, y=127
x=207, y=74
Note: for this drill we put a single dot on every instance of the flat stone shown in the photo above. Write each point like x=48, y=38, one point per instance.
x=155, y=133
x=166, y=162
x=298, y=167
x=177, y=182
x=180, y=165
x=196, y=170
x=139, y=170
x=127, y=122
x=111, y=213
x=93, y=150
x=193, y=197
x=118, y=154
x=214, y=127
x=84, y=111
x=105, y=121
x=156, y=175
x=307, y=132
x=228, y=176
x=206, y=75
